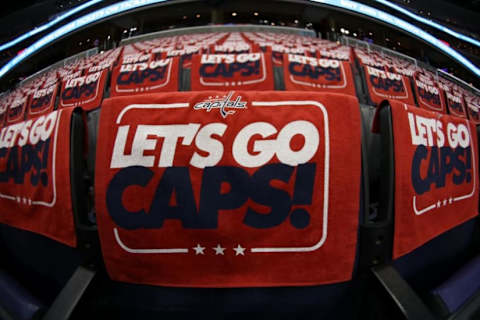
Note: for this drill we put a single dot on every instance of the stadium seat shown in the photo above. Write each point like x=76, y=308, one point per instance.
x=42, y=265
x=320, y=75
x=85, y=91
x=414, y=276
x=150, y=76
x=341, y=300
x=247, y=71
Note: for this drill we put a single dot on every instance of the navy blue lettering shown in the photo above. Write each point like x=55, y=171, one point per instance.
x=176, y=183
x=441, y=162
x=15, y=112
x=13, y=170
x=140, y=76
x=419, y=184
x=41, y=102
x=263, y=193
x=3, y=174
x=22, y=160
x=386, y=84
x=230, y=70
x=79, y=92
x=456, y=106
x=306, y=70
x=429, y=97
x=130, y=176
x=211, y=198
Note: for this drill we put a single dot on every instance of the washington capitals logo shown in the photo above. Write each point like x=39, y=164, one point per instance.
x=223, y=103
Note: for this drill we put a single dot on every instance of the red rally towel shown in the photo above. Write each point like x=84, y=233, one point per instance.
x=245, y=71
x=35, y=191
x=16, y=108
x=85, y=91
x=436, y=175
x=455, y=103
x=42, y=101
x=325, y=75
x=429, y=95
x=151, y=76
x=473, y=108
x=384, y=85
x=229, y=189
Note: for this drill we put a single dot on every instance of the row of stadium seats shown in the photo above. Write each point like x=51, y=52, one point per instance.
x=402, y=199
x=253, y=61
x=274, y=201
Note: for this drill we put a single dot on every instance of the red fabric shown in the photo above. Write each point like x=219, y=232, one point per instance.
x=436, y=176
x=383, y=85
x=184, y=55
x=473, y=108
x=42, y=102
x=35, y=190
x=3, y=114
x=279, y=51
x=429, y=96
x=335, y=54
x=3, y=110
x=16, y=108
x=235, y=48
x=248, y=71
x=149, y=196
x=456, y=105
x=71, y=75
x=311, y=74
x=85, y=91
x=143, y=77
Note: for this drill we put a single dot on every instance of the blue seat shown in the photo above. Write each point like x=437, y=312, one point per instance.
x=16, y=302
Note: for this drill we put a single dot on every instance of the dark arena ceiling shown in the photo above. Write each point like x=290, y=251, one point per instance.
x=21, y=16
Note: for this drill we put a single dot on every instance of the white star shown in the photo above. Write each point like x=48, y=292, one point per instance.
x=219, y=250
x=445, y=202
x=239, y=250
x=199, y=249
x=439, y=204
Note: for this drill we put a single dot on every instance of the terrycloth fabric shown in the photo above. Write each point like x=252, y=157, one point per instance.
x=321, y=75
x=35, y=191
x=455, y=103
x=473, y=108
x=42, y=101
x=229, y=189
x=85, y=91
x=429, y=95
x=16, y=104
x=436, y=175
x=245, y=71
x=153, y=75
x=461, y=286
x=384, y=85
